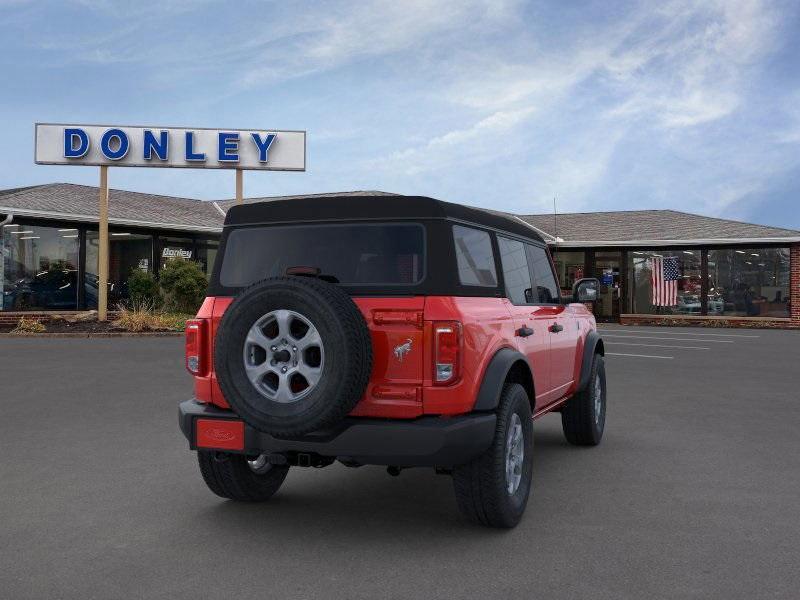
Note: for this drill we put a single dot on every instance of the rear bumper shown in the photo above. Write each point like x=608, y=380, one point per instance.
x=426, y=441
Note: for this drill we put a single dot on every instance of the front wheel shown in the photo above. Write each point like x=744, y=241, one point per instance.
x=241, y=478
x=583, y=417
x=493, y=489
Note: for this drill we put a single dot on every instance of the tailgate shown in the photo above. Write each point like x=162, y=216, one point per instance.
x=396, y=328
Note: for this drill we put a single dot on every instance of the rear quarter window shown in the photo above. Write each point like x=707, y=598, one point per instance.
x=474, y=257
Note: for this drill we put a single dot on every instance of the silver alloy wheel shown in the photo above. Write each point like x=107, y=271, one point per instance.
x=259, y=465
x=515, y=454
x=598, y=399
x=284, y=356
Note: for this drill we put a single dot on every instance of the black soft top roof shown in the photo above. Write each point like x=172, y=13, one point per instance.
x=348, y=208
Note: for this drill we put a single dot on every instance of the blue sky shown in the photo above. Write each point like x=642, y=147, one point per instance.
x=605, y=105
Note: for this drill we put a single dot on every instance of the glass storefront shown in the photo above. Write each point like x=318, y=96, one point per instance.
x=666, y=282
x=570, y=266
x=39, y=269
x=747, y=282
x=127, y=252
x=206, y=254
x=607, y=268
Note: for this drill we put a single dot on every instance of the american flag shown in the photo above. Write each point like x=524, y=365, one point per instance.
x=664, y=277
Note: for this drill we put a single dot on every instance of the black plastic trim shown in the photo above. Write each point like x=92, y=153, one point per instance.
x=492, y=384
x=427, y=441
x=593, y=340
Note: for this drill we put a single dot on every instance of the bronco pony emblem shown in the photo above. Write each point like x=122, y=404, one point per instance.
x=403, y=349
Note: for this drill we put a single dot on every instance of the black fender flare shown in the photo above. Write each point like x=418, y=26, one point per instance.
x=593, y=345
x=495, y=375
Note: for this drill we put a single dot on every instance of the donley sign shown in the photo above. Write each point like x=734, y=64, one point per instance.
x=178, y=147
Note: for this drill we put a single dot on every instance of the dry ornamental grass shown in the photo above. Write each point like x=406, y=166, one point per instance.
x=27, y=325
x=142, y=317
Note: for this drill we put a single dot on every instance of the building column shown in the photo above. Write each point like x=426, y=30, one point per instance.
x=794, y=283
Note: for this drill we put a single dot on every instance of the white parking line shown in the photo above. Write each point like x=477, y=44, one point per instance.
x=651, y=337
x=736, y=335
x=638, y=355
x=616, y=343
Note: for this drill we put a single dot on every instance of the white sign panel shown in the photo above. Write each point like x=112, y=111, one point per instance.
x=123, y=146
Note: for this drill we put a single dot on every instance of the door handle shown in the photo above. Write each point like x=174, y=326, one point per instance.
x=555, y=328
x=524, y=331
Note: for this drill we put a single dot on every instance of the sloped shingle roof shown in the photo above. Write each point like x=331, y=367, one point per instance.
x=650, y=225
x=79, y=202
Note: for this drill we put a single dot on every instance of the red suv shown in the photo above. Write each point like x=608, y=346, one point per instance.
x=387, y=330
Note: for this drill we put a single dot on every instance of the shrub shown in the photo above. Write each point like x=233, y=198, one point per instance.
x=26, y=325
x=183, y=285
x=143, y=289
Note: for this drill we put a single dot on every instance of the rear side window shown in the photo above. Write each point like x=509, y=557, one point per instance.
x=355, y=254
x=516, y=274
x=545, y=289
x=474, y=256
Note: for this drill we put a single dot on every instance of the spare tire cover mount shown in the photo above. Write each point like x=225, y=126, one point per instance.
x=284, y=355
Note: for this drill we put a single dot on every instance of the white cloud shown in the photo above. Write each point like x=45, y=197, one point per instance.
x=344, y=34
x=476, y=144
x=682, y=66
x=653, y=104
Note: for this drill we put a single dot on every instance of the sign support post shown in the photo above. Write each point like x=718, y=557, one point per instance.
x=102, y=255
x=239, y=186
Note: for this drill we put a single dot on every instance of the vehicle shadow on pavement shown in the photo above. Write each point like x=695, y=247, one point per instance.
x=338, y=500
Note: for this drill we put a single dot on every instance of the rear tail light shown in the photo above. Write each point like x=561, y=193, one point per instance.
x=446, y=352
x=196, y=340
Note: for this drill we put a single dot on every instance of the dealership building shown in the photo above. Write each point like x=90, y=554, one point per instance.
x=726, y=272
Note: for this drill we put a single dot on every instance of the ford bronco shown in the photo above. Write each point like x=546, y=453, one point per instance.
x=387, y=330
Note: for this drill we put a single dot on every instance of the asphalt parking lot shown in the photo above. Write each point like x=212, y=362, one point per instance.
x=692, y=494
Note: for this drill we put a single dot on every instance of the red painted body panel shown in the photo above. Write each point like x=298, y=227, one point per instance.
x=401, y=385
x=395, y=387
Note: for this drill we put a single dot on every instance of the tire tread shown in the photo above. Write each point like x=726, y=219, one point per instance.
x=480, y=484
x=232, y=478
x=577, y=416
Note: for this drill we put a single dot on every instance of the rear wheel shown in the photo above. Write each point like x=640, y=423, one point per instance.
x=238, y=477
x=493, y=489
x=583, y=417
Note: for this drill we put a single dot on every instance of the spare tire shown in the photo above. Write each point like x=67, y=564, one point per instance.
x=293, y=355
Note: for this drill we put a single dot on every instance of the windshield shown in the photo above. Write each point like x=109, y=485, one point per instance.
x=353, y=254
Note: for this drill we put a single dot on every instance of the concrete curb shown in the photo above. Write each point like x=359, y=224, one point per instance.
x=99, y=334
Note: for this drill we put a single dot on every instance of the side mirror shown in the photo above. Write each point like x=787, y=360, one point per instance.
x=585, y=290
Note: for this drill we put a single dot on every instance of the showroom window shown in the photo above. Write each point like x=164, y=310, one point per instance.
x=570, y=266
x=39, y=268
x=206, y=254
x=666, y=282
x=176, y=247
x=128, y=251
x=747, y=282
